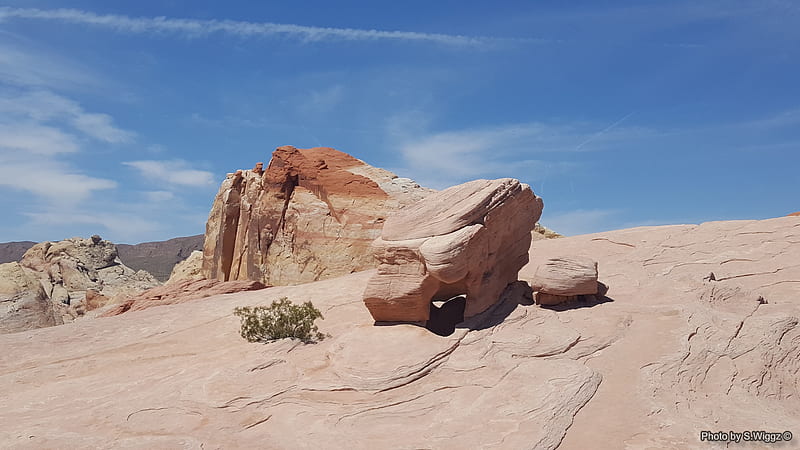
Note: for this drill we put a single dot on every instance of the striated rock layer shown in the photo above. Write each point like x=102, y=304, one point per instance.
x=668, y=354
x=180, y=291
x=471, y=239
x=310, y=215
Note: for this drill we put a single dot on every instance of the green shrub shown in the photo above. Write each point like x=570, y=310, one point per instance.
x=282, y=319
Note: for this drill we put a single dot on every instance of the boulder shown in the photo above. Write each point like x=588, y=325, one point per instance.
x=310, y=215
x=23, y=303
x=188, y=269
x=542, y=232
x=469, y=239
x=94, y=300
x=563, y=279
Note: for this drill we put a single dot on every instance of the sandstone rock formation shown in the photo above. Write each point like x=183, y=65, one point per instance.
x=190, y=268
x=23, y=302
x=668, y=355
x=469, y=239
x=181, y=291
x=94, y=300
x=310, y=215
x=79, y=264
x=795, y=214
x=542, y=232
x=563, y=279
x=65, y=272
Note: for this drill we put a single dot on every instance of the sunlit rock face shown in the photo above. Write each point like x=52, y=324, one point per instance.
x=310, y=215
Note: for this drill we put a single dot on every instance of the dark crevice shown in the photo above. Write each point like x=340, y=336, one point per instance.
x=288, y=190
x=444, y=316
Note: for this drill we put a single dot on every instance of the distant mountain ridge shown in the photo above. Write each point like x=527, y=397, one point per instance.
x=157, y=257
x=13, y=251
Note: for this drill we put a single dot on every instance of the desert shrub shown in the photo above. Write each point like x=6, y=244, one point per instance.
x=282, y=319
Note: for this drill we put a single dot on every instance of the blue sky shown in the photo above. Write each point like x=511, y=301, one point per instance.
x=122, y=118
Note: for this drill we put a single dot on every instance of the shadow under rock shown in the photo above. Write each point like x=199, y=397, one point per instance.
x=516, y=293
x=584, y=301
x=447, y=316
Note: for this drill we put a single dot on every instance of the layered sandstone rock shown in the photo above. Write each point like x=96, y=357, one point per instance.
x=667, y=356
x=563, y=279
x=311, y=214
x=71, y=270
x=469, y=239
x=181, y=291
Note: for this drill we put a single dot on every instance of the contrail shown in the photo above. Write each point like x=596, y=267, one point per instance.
x=603, y=131
x=195, y=28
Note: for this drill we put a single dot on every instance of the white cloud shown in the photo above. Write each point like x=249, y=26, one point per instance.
x=159, y=196
x=35, y=133
x=445, y=158
x=100, y=127
x=324, y=100
x=36, y=139
x=50, y=180
x=21, y=65
x=196, y=28
x=45, y=106
x=174, y=172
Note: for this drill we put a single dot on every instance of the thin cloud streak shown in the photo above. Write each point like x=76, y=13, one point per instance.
x=175, y=172
x=603, y=131
x=196, y=28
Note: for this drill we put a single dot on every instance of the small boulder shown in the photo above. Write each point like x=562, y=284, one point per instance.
x=94, y=300
x=563, y=279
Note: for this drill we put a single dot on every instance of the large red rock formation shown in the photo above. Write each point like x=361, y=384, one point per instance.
x=310, y=215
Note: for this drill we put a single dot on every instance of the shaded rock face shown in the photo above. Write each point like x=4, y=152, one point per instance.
x=23, y=302
x=469, y=239
x=310, y=215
